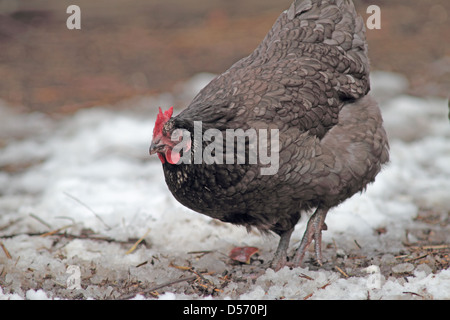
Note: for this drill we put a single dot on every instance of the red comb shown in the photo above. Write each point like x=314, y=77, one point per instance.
x=161, y=119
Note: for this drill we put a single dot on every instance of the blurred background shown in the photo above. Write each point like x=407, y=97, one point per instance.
x=144, y=47
x=62, y=159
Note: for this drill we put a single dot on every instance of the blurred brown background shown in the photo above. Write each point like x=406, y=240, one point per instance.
x=133, y=47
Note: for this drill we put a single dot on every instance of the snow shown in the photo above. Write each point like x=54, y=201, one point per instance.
x=89, y=178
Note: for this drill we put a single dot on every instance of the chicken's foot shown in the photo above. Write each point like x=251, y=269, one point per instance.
x=313, y=232
x=279, y=259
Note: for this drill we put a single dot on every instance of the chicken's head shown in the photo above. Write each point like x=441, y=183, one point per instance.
x=165, y=138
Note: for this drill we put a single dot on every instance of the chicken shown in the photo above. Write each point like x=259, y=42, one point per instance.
x=307, y=85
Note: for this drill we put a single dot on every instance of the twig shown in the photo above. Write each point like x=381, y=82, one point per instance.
x=142, y=264
x=87, y=207
x=200, y=278
x=412, y=293
x=431, y=247
x=41, y=221
x=8, y=255
x=308, y=296
x=9, y=224
x=198, y=274
x=325, y=285
x=200, y=252
x=69, y=236
x=67, y=218
x=416, y=258
x=169, y=283
x=137, y=242
x=341, y=271
x=183, y=268
x=50, y=233
x=302, y=275
x=191, y=269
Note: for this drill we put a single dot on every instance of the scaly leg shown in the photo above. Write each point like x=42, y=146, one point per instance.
x=279, y=259
x=313, y=232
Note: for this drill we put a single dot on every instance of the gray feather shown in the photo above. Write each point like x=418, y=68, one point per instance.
x=309, y=78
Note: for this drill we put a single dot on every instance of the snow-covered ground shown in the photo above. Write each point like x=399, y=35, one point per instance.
x=88, y=180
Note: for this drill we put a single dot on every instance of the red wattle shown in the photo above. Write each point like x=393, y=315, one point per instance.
x=172, y=157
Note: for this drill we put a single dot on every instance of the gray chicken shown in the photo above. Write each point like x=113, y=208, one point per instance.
x=306, y=87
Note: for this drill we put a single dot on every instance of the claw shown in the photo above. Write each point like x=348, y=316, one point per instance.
x=279, y=259
x=313, y=232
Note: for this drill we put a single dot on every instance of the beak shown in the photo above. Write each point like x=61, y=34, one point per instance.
x=155, y=148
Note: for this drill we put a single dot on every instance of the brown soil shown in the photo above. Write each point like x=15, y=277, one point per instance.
x=128, y=48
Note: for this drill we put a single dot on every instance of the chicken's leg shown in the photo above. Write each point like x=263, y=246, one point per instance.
x=313, y=232
x=279, y=259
